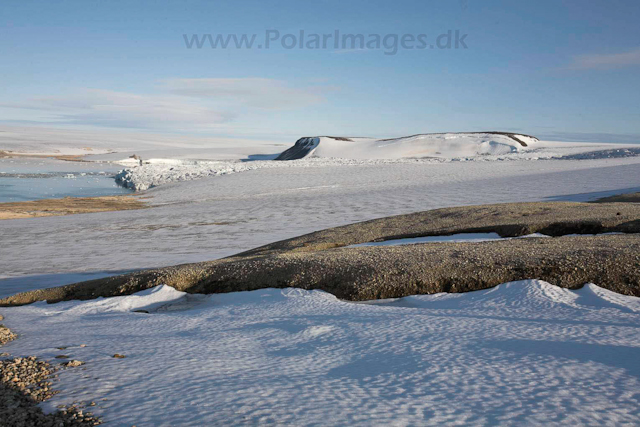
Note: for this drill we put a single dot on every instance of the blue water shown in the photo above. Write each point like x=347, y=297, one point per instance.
x=23, y=187
x=23, y=179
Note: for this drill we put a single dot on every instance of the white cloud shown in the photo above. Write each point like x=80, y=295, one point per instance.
x=606, y=61
x=180, y=104
x=120, y=109
x=254, y=92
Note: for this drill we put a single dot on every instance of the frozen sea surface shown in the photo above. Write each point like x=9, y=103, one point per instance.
x=219, y=216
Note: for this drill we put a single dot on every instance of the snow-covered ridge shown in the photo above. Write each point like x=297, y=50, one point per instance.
x=439, y=145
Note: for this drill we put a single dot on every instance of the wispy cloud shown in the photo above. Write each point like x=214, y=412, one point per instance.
x=180, y=104
x=120, y=109
x=253, y=92
x=606, y=61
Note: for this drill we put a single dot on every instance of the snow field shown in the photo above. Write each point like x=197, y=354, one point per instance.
x=521, y=353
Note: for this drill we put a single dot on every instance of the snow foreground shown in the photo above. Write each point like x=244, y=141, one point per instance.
x=521, y=353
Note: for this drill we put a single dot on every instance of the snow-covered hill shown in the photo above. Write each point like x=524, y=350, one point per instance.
x=441, y=145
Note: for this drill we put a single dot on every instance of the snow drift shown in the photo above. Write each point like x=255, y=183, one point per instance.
x=441, y=145
x=522, y=353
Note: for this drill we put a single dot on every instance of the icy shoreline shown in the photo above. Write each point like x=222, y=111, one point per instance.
x=155, y=172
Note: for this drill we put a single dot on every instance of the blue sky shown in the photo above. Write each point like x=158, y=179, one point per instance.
x=556, y=69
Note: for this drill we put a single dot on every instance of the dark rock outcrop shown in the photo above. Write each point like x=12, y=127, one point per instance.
x=321, y=261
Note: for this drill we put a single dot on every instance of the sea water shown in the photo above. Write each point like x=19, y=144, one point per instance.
x=26, y=179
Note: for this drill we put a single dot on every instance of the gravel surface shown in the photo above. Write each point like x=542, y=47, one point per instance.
x=5, y=334
x=68, y=206
x=25, y=382
x=320, y=260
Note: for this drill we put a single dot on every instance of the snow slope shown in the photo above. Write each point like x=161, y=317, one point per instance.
x=523, y=353
x=442, y=145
